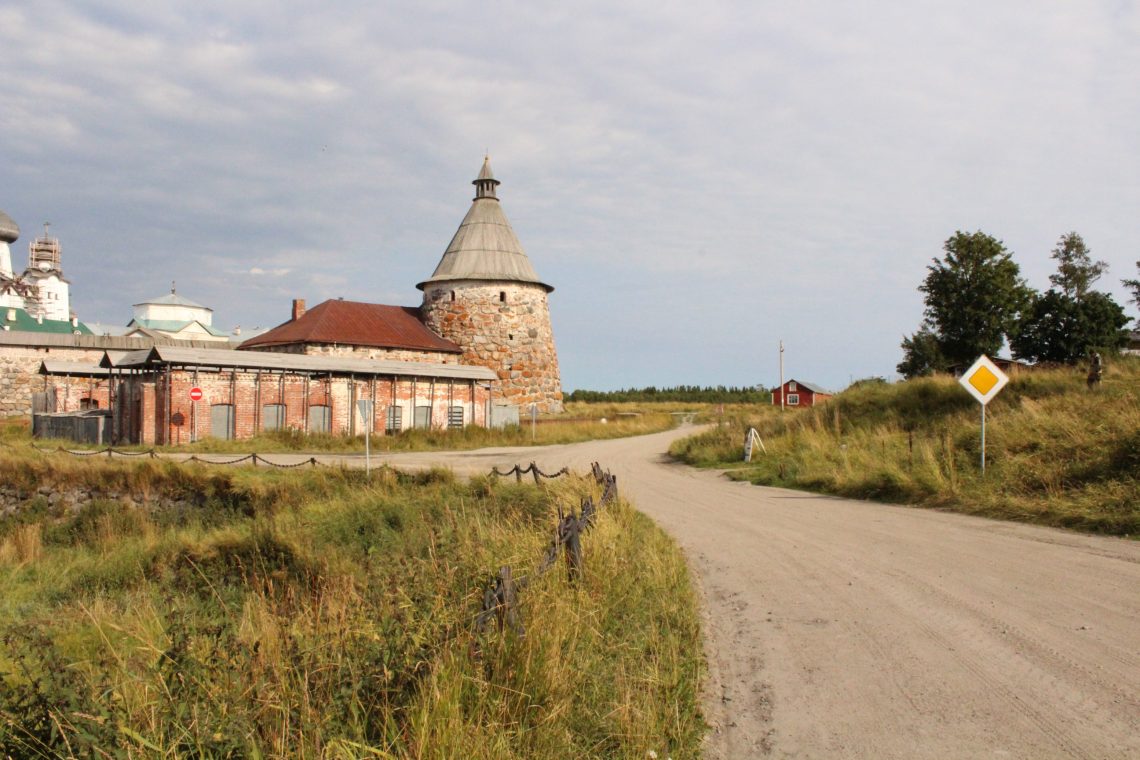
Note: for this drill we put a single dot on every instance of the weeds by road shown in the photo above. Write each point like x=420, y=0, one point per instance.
x=1056, y=453
x=180, y=611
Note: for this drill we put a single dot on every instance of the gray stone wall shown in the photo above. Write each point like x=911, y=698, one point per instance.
x=19, y=378
x=505, y=327
x=22, y=352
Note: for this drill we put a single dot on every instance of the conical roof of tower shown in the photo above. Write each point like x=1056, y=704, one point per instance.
x=9, y=232
x=485, y=247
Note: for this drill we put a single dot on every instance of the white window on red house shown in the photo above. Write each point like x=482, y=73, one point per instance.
x=792, y=386
x=793, y=399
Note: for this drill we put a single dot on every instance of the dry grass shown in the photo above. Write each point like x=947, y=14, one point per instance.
x=1055, y=453
x=316, y=614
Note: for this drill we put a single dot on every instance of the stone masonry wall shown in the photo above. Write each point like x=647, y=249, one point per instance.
x=505, y=327
x=22, y=352
x=19, y=378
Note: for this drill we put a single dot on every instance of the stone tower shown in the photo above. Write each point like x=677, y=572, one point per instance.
x=485, y=296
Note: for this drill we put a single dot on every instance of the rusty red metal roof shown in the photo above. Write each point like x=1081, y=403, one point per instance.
x=352, y=323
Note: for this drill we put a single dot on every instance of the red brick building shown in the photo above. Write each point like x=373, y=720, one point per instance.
x=798, y=393
x=246, y=392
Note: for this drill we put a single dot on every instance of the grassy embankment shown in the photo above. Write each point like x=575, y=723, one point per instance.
x=1056, y=454
x=580, y=422
x=316, y=614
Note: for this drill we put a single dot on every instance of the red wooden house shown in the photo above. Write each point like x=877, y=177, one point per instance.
x=799, y=393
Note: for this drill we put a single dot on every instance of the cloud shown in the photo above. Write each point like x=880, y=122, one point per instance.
x=679, y=173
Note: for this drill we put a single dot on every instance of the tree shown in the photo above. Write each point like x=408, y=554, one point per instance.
x=1060, y=328
x=1134, y=286
x=921, y=355
x=1076, y=271
x=974, y=297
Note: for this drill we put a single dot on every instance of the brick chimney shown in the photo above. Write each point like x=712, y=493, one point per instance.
x=298, y=308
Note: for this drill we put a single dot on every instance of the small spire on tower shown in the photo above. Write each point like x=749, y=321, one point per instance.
x=485, y=183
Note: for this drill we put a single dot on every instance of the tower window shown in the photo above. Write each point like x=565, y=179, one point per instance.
x=453, y=296
x=502, y=296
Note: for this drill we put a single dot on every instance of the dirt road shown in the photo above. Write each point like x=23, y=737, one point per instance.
x=841, y=628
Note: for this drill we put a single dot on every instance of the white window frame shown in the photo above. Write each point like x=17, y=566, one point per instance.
x=793, y=399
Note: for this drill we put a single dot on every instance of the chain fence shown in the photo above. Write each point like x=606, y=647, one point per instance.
x=501, y=597
x=254, y=459
x=518, y=471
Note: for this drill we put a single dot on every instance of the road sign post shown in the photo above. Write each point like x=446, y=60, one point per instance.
x=983, y=380
x=365, y=407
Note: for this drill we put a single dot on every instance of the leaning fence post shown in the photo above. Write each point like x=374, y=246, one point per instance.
x=534, y=471
x=573, y=542
x=518, y=474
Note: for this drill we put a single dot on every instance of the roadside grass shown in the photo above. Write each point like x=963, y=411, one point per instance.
x=1056, y=453
x=320, y=614
x=580, y=422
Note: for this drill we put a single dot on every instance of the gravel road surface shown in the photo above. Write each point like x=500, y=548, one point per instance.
x=849, y=629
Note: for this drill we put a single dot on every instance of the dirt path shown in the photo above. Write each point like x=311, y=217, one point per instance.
x=841, y=628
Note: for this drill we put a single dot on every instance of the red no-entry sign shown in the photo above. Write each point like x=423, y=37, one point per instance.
x=195, y=394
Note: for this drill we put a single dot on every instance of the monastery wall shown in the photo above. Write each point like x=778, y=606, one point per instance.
x=505, y=327
x=19, y=378
x=22, y=352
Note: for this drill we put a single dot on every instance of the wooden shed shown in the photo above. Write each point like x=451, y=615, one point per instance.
x=800, y=393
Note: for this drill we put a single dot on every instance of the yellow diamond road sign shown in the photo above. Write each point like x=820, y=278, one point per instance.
x=983, y=379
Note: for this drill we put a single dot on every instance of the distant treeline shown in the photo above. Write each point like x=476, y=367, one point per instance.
x=680, y=393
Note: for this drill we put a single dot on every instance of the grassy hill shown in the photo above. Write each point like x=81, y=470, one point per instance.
x=164, y=610
x=1056, y=453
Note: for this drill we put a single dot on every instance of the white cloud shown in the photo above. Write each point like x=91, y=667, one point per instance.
x=790, y=169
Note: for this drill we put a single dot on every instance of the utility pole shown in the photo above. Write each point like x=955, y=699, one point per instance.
x=781, y=376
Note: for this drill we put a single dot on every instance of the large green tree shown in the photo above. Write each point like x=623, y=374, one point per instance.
x=1076, y=271
x=1060, y=328
x=974, y=297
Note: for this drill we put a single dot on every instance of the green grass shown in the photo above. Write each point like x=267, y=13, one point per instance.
x=1056, y=453
x=317, y=614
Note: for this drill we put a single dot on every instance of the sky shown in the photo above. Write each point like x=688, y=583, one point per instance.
x=698, y=181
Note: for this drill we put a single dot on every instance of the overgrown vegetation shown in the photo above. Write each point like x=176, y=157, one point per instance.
x=319, y=614
x=1057, y=453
